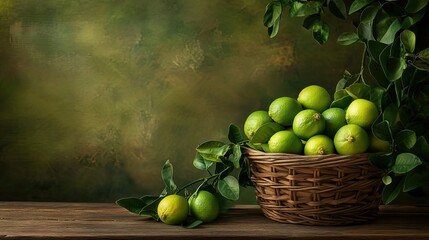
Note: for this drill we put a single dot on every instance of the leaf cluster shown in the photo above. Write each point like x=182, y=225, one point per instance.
x=393, y=57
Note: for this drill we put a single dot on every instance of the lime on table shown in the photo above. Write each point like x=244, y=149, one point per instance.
x=173, y=209
x=204, y=206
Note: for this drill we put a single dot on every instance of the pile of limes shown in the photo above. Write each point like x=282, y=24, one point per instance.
x=308, y=125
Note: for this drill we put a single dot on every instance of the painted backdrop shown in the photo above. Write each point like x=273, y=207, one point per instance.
x=96, y=95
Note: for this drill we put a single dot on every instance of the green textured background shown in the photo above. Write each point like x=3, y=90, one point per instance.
x=96, y=95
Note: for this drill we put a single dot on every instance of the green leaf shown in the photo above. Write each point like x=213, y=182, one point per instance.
x=381, y=160
x=234, y=134
x=405, y=139
x=150, y=213
x=309, y=21
x=132, y=204
x=244, y=174
x=256, y=146
x=193, y=224
x=421, y=148
x=396, y=49
x=201, y=163
x=424, y=55
x=409, y=21
x=391, y=191
x=359, y=90
x=229, y=188
x=390, y=114
x=408, y=40
x=273, y=30
x=235, y=156
x=364, y=31
x=150, y=209
x=358, y=5
x=340, y=94
x=414, y=6
x=273, y=13
x=321, y=32
x=378, y=96
x=223, y=168
x=337, y=8
x=264, y=133
x=347, y=38
x=272, y=17
x=377, y=73
x=265, y=147
x=342, y=102
x=167, y=177
x=392, y=66
x=150, y=199
x=382, y=130
x=369, y=13
x=213, y=150
x=375, y=48
x=420, y=65
x=405, y=162
x=341, y=84
x=302, y=9
x=386, y=27
x=415, y=179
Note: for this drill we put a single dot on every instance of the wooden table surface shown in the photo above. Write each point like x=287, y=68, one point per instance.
x=42, y=220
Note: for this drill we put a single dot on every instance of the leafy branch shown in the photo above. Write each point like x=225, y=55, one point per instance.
x=397, y=62
x=230, y=171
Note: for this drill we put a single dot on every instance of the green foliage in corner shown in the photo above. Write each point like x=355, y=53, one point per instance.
x=395, y=60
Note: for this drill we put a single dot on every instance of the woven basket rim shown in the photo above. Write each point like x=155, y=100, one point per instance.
x=258, y=152
x=296, y=160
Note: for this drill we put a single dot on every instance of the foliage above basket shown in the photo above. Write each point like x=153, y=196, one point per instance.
x=396, y=59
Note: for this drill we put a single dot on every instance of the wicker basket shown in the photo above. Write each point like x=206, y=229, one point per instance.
x=315, y=190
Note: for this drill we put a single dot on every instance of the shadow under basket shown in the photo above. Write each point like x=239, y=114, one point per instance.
x=315, y=190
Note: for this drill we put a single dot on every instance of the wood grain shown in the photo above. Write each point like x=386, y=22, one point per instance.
x=42, y=220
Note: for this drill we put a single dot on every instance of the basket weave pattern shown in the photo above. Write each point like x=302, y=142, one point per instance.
x=315, y=190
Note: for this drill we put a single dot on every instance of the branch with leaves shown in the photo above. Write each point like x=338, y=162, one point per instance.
x=397, y=63
x=226, y=171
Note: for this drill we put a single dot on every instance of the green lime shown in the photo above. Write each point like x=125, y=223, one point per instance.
x=204, y=206
x=335, y=118
x=254, y=121
x=308, y=123
x=283, y=110
x=285, y=142
x=173, y=209
x=362, y=112
x=314, y=97
x=351, y=139
x=319, y=145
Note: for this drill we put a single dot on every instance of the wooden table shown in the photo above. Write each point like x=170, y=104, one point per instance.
x=41, y=220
